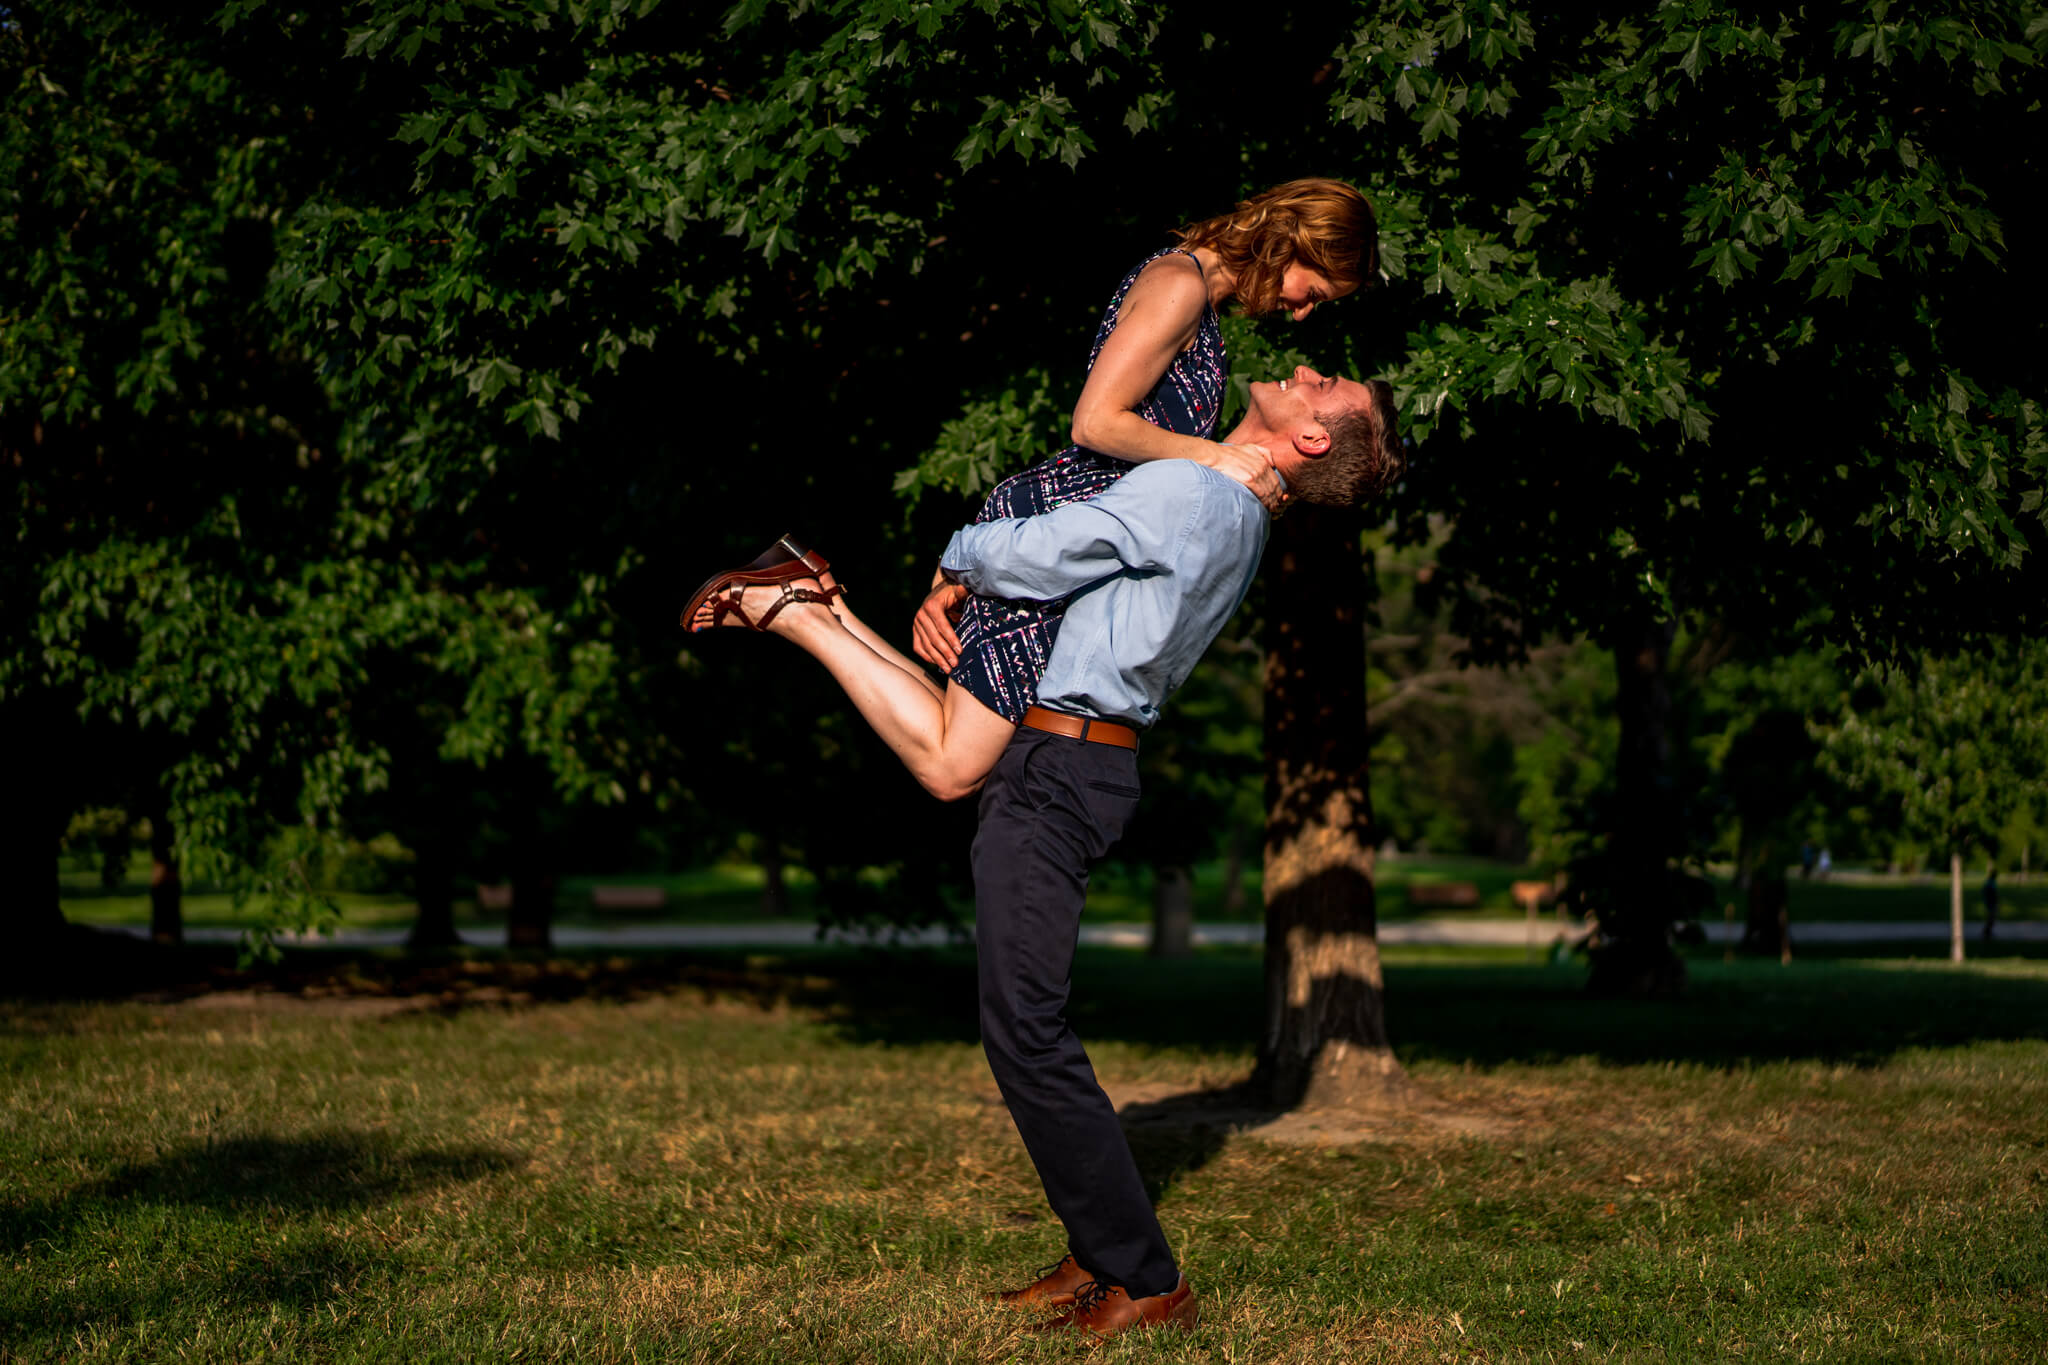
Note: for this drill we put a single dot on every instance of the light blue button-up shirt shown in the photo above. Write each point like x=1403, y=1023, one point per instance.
x=1155, y=565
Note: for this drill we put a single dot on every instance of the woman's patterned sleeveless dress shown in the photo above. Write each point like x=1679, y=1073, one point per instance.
x=1004, y=644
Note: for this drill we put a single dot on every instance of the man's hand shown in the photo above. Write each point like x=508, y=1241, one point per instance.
x=1251, y=466
x=931, y=630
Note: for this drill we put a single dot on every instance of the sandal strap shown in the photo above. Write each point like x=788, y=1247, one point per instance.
x=792, y=593
x=722, y=607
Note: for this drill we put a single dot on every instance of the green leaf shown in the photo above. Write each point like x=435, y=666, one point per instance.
x=491, y=377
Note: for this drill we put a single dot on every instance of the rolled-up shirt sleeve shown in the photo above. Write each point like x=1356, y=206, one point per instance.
x=1136, y=524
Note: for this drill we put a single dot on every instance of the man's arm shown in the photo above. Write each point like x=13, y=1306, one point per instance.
x=1140, y=522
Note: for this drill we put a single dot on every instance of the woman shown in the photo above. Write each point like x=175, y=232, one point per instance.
x=1154, y=391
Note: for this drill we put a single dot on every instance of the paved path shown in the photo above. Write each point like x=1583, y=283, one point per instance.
x=1436, y=932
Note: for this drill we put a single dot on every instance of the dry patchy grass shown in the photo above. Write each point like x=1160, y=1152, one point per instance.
x=693, y=1177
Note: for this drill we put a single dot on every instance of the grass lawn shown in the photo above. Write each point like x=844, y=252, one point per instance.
x=1894, y=898
x=799, y=1158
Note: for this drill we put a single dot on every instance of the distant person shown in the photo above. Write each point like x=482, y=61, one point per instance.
x=1990, y=903
x=1823, y=864
x=1806, y=851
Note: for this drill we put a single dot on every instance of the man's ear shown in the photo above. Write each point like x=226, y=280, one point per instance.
x=1312, y=441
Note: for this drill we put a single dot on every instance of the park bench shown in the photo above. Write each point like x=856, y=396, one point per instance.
x=628, y=897
x=1443, y=895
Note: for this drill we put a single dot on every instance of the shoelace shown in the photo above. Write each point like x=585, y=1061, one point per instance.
x=1090, y=1296
x=1046, y=1272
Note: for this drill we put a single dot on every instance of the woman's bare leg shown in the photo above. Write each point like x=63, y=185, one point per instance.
x=861, y=632
x=947, y=739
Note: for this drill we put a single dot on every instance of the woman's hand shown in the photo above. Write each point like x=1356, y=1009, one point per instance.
x=1251, y=466
x=931, y=630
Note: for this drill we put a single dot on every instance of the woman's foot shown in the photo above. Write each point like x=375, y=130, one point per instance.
x=786, y=565
x=772, y=607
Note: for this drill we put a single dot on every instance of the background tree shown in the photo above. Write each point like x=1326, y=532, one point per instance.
x=1755, y=731
x=567, y=304
x=1621, y=222
x=207, y=554
x=1956, y=744
x=1598, y=224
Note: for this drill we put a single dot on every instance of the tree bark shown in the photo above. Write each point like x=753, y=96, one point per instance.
x=1173, y=911
x=529, y=923
x=1325, y=1042
x=32, y=820
x=1233, y=871
x=1766, y=926
x=433, y=892
x=774, y=882
x=1636, y=956
x=1955, y=907
x=166, y=887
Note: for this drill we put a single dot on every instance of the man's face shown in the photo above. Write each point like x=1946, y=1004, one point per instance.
x=1294, y=408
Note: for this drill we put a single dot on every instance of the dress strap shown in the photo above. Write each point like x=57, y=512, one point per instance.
x=1208, y=309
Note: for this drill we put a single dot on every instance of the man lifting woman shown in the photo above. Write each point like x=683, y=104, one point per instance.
x=1078, y=601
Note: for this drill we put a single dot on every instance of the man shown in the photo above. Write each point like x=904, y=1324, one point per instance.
x=1151, y=569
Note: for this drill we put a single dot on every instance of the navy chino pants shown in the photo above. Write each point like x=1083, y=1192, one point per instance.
x=1049, y=812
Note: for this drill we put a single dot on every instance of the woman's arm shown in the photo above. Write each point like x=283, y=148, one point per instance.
x=1156, y=322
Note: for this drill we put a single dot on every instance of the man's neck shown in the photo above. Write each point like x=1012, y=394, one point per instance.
x=1251, y=432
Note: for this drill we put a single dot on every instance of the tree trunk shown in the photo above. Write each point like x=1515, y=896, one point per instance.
x=1764, y=927
x=1233, y=871
x=1636, y=956
x=32, y=821
x=433, y=892
x=529, y=923
x=166, y=888
x=1325, y=1042
x=1955, y=907
x=1173, y=911
x=774, y=884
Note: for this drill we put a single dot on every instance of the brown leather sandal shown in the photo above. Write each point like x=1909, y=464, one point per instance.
x=730, y=606
x=782, y=563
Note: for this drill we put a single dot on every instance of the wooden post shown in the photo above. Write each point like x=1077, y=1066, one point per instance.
x=1728, y=932
x=166, y=908
x=1955, y=907
x=1530, y=896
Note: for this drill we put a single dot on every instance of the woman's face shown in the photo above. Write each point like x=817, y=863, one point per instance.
x=1302, y=287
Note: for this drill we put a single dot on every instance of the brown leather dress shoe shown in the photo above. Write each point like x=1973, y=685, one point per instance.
x=1102, y=1310
x=1054, y=1288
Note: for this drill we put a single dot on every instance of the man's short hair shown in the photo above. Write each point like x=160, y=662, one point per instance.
x=1365, y=455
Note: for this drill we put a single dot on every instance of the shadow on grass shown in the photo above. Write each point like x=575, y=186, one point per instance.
x=249, y=1256
x=1733, y=1017
x=341, y=1171
x=1858, y=1010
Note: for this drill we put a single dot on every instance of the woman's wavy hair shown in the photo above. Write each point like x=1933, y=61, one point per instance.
x=1326, y=224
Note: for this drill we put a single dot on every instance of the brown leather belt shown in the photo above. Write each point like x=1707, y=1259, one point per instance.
x=1080, y=727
